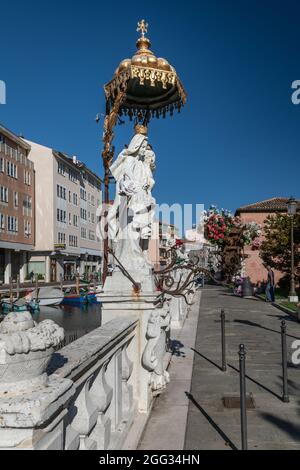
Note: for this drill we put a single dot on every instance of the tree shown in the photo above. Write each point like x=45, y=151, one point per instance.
x=276, y=247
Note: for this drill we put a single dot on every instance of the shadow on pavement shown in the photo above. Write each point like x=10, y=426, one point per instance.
x=207, y=359
x=258, y=325
x=284, y=425
x=237, y=370
x=175, y=348
x=225, y=438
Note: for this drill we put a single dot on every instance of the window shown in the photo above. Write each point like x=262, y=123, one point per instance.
x=27, y=228
x=2, y=222
x=2, y=164
x=3, y=194
x=61, y=237
x=75, y=220
x=83, y=194
x=61, y=169
x=12, y=224
x=75, y=199
x=91, y=235
x=16, y=199
x=93, y=218
x=83, y=233
x=27, y=177
x=27, y=206
x=72, y=176
x=12, y=170
x=83, y=213
x=73, y=241
x=61, y=192
x=61, y=216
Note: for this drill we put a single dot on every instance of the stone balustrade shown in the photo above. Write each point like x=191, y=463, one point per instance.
x=88, y=399
x=90, y=394
x=100, y=364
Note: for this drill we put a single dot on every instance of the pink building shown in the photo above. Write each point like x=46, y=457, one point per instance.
x=258, y=212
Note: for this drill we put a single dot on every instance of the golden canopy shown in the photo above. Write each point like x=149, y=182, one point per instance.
x=150, y=85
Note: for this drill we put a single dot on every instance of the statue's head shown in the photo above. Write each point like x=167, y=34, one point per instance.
x=138, y=145
x=141, y=129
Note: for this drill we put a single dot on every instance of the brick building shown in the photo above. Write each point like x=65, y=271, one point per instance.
x=17, y=214
x=258, y=212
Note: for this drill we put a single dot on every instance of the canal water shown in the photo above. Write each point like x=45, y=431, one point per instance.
x=76, y=321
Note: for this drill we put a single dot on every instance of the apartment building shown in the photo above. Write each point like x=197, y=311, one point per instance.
x=67, y=197
x=163, y=235
x=17, y=217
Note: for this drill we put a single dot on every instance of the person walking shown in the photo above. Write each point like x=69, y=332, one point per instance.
x=270, y=289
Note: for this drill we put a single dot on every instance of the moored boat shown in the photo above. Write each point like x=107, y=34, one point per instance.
x=20, y=305
x=92, y=297
x=74, y=299
x=46, y=296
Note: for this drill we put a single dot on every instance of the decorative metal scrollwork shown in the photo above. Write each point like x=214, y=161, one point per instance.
x=186, y=269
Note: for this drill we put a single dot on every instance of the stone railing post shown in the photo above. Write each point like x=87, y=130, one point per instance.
x=102, y=394
x=86, y=416
x=127, y=388
x=114, y=379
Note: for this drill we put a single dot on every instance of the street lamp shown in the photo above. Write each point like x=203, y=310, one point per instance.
x=292, y=210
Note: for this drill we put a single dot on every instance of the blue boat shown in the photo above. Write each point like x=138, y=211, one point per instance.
x=75, y=299
x=92, y=298
x=19, y=306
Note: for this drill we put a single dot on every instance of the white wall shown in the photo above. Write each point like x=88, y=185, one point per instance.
x=44, y=210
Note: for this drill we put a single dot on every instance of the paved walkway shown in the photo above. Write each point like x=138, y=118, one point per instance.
x=167, y=424
x=272, y=424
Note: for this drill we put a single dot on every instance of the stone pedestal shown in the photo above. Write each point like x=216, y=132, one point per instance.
x=34, y=420
x=32, y=405
x=118, y=283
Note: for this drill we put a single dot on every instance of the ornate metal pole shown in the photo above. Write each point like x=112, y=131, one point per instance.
x=293, y=290
x=242, y=360
x=107, y=156
x=224, y=365
x=292, y=210
x=285, y=394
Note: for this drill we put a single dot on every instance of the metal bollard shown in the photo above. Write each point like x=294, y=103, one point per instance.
x=242, y=359
x=285, y=394
x=223, y=339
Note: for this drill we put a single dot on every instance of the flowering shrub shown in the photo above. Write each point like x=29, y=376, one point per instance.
x=251, y=231
x=229, y=234
x=217, y=225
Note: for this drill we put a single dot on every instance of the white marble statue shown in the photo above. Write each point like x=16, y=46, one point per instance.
x=131, y=216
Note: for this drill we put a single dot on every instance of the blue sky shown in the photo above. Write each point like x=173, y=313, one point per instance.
x=236, y=141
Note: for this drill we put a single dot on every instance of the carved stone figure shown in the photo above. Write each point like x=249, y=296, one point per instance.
x=153, y=357
x=131, y=216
